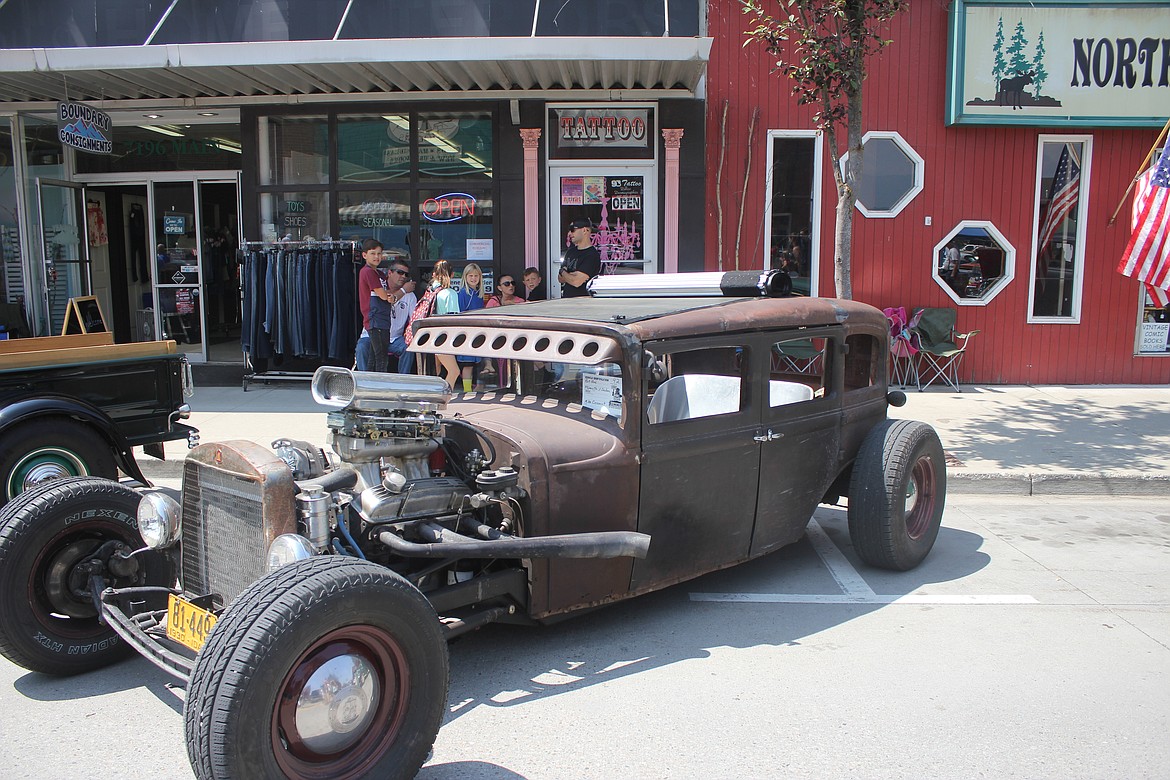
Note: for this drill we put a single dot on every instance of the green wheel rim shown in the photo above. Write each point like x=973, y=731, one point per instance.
x=42, y=465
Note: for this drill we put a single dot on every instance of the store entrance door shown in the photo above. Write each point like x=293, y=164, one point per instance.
x=66, y=248
x=621, y=200
x=196, y=293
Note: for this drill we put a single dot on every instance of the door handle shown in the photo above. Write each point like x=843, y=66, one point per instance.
x=767, y=437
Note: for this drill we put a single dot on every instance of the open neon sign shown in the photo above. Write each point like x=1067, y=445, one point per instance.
x=449, y=207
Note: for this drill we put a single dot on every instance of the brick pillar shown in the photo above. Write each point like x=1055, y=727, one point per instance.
x=673, y=140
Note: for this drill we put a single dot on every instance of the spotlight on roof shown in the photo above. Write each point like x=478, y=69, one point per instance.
x=730, y=284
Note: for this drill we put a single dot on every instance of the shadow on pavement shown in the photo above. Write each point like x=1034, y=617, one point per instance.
x=1059, y=434
x=507, y=666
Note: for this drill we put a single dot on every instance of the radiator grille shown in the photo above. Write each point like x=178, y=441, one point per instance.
x=237, y=498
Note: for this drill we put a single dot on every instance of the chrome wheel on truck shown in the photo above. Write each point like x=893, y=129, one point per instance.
x=40, y=451
x=328, y=667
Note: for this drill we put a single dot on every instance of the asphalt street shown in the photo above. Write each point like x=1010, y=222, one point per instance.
x=1034, y=642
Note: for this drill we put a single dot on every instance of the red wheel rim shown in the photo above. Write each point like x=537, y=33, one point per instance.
x=920, y=498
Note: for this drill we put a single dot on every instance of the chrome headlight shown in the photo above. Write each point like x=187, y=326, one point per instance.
x=159, y=520
x=286, y=549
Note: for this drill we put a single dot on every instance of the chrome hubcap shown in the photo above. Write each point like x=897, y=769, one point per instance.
x=337, y=704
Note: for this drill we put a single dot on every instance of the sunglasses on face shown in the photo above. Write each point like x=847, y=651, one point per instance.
x=506, y=283
x=399, y=271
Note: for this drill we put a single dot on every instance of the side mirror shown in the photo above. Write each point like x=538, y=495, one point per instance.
x=896, y=398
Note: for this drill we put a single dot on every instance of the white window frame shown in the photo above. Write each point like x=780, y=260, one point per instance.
x=814, y=252
x=1009, y=262
x=1086, y=142
x=910, y=194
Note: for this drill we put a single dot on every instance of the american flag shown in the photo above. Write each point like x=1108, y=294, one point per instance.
x=1147, y=255
x=1160, y=297
x=1062, y=195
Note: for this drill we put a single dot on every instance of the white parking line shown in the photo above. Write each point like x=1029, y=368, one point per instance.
x=838, y=565
x=855, y=590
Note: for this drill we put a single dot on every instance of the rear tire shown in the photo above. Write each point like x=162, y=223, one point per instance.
x=897, y=494
x=328, y=667
x=48, y=535
x=51, y=448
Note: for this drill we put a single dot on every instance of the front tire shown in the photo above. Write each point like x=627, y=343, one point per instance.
x=328, y=667
x=50, y=540
x=42, y=450
x=896, y=494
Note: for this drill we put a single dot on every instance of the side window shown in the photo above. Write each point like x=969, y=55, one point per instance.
x=799, y=372
x=690, y=384
x=861, y=361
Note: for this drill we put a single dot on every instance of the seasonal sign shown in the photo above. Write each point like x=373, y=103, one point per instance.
x=84, y=127
x=1059, y=64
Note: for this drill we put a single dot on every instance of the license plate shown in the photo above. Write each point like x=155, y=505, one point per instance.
x=187, y=623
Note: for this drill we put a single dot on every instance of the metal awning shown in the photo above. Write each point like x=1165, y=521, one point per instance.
x=352, y=67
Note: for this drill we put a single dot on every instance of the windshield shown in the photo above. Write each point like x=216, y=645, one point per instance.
x=595, y=387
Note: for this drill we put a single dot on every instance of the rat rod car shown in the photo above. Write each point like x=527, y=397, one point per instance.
x=663, y=428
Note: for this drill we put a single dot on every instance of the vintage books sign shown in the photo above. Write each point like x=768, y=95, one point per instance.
x=1059, y=63
x=84, y=127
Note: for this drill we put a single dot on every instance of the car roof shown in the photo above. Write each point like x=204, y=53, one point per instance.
x=601, y=324
x=669, y=317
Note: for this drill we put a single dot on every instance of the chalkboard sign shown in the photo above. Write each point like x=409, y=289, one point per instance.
x=83, y=315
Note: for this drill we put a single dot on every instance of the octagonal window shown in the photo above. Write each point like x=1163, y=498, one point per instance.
x=891, y=174
x=973, y=263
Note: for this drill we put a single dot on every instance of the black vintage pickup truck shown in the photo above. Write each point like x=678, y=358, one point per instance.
x=78, y=405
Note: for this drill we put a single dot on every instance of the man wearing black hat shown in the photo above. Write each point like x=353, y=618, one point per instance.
x=582, y=261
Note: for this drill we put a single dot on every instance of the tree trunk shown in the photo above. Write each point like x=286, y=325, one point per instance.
x=843, y=244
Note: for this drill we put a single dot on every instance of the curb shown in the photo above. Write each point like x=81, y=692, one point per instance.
x=1057, y=483
x=959, y=481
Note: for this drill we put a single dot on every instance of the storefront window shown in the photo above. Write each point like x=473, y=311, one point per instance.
x=456, y=226
x=373, y=148
x=1154, y=328
x=299, y=215
x=793, y=166
x=1058, y=250
x=974, y=263
x=295, y=150
x=891, y=175
x=456, y=145
x=10, y=252
x=168, y=148
x=381, y=215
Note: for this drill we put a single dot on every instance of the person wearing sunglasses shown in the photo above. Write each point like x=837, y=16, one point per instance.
x=402, y=301
x=506, y=294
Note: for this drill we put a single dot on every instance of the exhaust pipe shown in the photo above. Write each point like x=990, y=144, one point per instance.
x=444, y=543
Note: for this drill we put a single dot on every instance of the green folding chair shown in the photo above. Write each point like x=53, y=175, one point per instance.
x=940, y=349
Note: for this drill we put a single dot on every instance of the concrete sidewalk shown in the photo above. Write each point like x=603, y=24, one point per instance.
x=1023, y=440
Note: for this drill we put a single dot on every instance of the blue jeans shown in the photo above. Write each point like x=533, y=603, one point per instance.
x=405, y=359
x=363, y=356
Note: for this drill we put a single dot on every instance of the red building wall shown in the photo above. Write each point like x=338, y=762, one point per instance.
x=983, y=173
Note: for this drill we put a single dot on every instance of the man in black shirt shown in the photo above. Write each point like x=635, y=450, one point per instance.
x=582, y=261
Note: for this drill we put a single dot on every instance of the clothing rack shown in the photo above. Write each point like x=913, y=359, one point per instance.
x=298, y=306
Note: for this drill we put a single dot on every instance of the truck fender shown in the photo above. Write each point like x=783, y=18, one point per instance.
x=74, y=408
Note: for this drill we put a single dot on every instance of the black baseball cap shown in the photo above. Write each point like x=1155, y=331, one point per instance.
x=581, y=223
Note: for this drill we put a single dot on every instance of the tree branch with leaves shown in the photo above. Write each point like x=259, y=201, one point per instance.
x=822, y=47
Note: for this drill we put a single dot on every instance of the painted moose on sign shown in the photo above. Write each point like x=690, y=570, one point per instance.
x=1011, y=90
